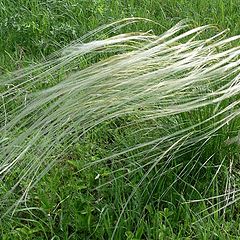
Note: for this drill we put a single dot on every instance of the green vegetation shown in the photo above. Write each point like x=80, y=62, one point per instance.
x=146, y=192
x=30, y=30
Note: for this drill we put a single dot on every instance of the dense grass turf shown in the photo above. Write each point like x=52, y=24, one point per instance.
x=71, y=203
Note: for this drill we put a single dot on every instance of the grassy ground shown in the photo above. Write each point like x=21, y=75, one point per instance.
x=67, y=203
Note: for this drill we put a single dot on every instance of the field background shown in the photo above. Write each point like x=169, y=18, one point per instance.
x=66, y=203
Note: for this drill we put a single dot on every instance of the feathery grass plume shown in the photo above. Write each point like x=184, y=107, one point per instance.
x=182, y=91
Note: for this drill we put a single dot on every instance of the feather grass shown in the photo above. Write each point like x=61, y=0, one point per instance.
x=181, y=89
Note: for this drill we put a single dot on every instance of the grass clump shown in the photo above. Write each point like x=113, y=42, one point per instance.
x=134, y=136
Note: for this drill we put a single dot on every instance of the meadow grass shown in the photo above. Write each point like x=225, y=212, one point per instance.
x=72, y=203
x=31, y=30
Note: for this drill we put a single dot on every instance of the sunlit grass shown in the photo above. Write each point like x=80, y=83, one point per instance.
x=124, y=136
